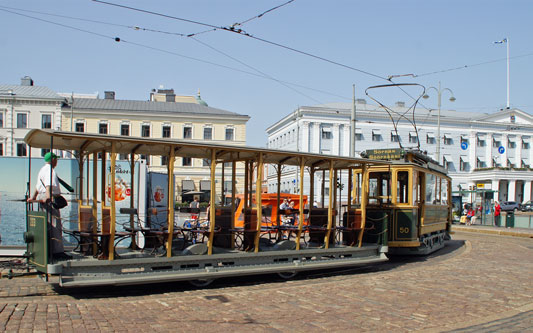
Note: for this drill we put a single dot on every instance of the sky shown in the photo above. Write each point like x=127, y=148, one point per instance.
x=298, y=53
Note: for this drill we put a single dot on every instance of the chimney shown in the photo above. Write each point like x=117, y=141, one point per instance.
x=400, y=104
x=26, y=81
x=109, y=94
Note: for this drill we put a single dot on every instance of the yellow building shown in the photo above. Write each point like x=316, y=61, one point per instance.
x=173, y=120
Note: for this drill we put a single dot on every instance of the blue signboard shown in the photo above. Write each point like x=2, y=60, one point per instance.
x=464, y=145
x=501, y=149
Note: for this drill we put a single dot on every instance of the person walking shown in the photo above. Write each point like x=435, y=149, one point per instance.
x=497, y=213
x=46, y=189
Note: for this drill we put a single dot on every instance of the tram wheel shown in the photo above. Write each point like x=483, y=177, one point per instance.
x=287, y=275
x=201, y=283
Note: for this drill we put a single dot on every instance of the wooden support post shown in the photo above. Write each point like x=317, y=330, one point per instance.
x=258, y=201
x=212, y=210
x=95, y=197
x=323, y=188
x=133, y=244
x=364, y=201
x=233, y=190
x=113, y=206
x=330, y=208
x=301, y=218
x=170, y=217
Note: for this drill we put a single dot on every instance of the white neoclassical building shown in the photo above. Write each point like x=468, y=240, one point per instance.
x=482, y=150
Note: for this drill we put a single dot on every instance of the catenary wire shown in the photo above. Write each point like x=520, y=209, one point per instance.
x=242, y=33
x=117, y=39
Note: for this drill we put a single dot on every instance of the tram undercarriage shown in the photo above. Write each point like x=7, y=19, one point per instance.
x=139, y=268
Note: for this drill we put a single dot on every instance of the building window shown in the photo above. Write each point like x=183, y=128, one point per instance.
x=125, y=129
x=496, y=143
x=229, y=134
x=187, y=132
x=164, y=160
x=495, y=163
x=44, y=151
x=376, y=135
x=1, y=149
x=447, y=162
x=464, y=139
x=413, y=138
x=525, y=144
x=102, y=128
x=394, y=137
x=480, y=141
x=187, y=161
x=481, y=164
x=206, y=162
x=430, y=138
x=463, y=164
x=21, y=149
x=80, y=127
x=145, y=131
x=22, y=121
x=166, y=131
x=46, y=121
x=448, y=139
x=1, y=119
x=524, y=164
x=511, y=144
x=358, y=134
x=510, y=164
x=326, y=134
x=208, y=133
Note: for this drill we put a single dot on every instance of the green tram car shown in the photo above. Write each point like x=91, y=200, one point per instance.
x=391, y=206
x=413, y=194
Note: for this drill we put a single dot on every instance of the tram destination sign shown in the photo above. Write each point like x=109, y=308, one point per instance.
x=385, y=154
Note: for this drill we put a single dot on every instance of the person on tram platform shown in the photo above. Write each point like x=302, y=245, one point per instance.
x=45, y=190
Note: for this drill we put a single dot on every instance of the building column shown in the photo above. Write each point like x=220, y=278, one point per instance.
x=304, y=134
x=346, y=141
x=527, y=190
x=511, y=190
x=496, y=187
x=336, y=140
x=316, y=138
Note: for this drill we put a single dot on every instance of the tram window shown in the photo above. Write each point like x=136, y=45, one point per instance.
x=444, y=192
x=430, y=188
x=416, y=188
x=379, y=188
x=402, y=187
x=437, y=190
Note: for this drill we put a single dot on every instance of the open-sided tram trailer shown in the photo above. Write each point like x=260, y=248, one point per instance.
x=216, y=258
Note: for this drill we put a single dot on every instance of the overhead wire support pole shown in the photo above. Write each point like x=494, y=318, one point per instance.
x=352, y=128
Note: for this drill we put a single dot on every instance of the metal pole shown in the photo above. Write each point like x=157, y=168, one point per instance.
x=352, y=123
x=439, y=94
x=72, y=112
x=508, y=79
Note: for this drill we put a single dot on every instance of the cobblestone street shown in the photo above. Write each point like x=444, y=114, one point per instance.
x=477, y=283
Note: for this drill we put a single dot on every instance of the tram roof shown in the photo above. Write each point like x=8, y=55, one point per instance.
x=91, y=143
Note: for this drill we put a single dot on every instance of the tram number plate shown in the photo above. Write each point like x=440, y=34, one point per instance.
x=404, y=230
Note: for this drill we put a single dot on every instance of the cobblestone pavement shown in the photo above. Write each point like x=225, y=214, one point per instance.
x=477, y=283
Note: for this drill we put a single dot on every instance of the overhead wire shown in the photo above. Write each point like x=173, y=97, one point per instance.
x=242, y=33
x=255, y=69
x=117, y=39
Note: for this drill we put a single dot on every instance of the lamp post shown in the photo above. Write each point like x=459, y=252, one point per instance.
x=506, y=41
x=439, y=95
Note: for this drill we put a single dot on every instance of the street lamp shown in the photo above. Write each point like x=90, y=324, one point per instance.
x=506, y=41
x=439, y=95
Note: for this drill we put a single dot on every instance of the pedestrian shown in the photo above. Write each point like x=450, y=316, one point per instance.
x=284, y=205
x=195, y=211
x=45, y=191
x=497, y=212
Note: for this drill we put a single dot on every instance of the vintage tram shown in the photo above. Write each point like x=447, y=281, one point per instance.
x=392, y=206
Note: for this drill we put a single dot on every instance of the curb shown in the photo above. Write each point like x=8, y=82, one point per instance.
x=503, y=232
